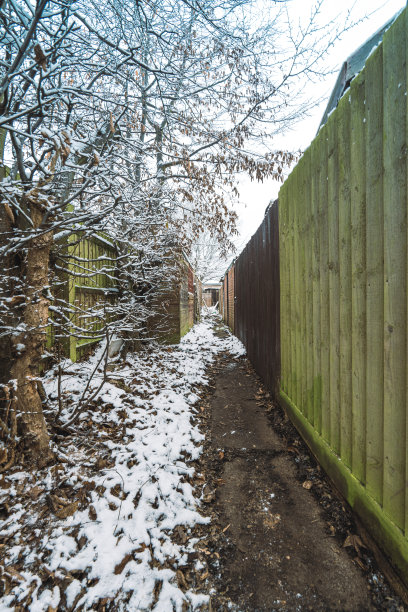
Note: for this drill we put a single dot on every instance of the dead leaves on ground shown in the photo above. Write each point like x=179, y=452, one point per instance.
x=61, y=507
x=121, y=566
x=272, y=520
x=35, y=492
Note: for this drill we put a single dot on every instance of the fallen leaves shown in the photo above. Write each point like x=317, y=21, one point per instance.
x=209, y=494
x=62, y=508
x=181, y=580
x=308, y=484
x=354, y=541
x=121, y=566
x=35, y=492
x=66, y=511
x=272, y=520
x=181, y=534
x=92, y=513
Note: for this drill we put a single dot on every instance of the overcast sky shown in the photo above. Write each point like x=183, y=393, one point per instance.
x=254, y=197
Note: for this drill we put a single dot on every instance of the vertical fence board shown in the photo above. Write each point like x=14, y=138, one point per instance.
x=406, y=192
x=343, y=131
x=293, y=299
x=395, y=272
x=302, y=211
x=284, y=282
x=308, y=358
x=292, y=292
x=317, y=379
x=296, y=296
x=375, y=274
x=334, y=285
x=358, y=275
x=324, y=287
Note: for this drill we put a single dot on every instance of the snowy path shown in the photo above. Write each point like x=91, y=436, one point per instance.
x=96, y=528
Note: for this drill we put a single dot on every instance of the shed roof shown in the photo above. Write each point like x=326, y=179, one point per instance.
x=352, y=66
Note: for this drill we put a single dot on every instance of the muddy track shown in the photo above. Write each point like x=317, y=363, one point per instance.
x=286, y=541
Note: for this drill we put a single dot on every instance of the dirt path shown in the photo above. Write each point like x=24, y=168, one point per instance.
x=279, y=551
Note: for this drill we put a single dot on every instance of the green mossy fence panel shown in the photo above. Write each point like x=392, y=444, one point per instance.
x=292, y=328
x=358, y=276
x=317, y=374
x=308, y=381
x=324, y=415
x=406, y=169
x=334, y=281
x=287, y=274
x=86, y=284
x=302, y=224
x=374, y=274
x=395, y=268
x=285, y=287
x=344, y=265
x=293, y=188
x=343, y=148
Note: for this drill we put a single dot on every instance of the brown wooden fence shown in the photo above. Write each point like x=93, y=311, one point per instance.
x=227, y=298
x=257, y=298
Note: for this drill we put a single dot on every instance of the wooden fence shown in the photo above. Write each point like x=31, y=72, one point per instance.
x=227, y=297
x=85, y=285
x=256, y=274
x=343, y=252
x=343, y=265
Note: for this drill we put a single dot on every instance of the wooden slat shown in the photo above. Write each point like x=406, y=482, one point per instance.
x=343, y=136
x=306, y=192
x=375, y=274
x=334, y=281
x=358, y=275
x=324, y=287
x=302, y=229
x=395, y=271
x=294, y=204
x=283, y=246
x=406, y=195
x=292, y=293
x=317, y=373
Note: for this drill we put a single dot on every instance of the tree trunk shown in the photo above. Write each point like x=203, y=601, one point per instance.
x=29, y=347
x=8, y=318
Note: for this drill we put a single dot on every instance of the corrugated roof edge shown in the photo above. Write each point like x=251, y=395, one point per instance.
x=352, y=66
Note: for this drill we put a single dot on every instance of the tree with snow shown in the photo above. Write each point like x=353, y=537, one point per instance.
x=130, y=118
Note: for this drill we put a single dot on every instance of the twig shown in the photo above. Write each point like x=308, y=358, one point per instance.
x=60, y=404
x=77, y=410
x=11, y=432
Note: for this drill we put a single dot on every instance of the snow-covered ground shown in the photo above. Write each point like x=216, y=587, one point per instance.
x=98, y=527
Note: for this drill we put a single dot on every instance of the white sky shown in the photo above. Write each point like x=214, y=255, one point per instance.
x=254, y=197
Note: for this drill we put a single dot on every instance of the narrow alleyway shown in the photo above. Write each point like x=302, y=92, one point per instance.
x=279, y=553
x=178, y=491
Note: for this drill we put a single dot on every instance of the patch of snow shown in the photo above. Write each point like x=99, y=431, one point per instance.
x=119, y=545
